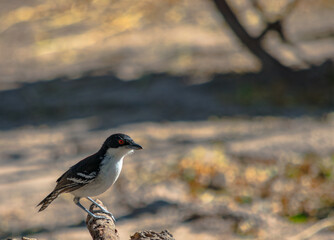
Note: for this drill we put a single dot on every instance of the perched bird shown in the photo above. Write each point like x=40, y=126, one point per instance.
x=94, y=174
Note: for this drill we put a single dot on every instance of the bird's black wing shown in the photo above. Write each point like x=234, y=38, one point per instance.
x=76, y=177
x=79, y=174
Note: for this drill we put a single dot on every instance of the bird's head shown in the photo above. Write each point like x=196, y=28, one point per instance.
x=120, y=144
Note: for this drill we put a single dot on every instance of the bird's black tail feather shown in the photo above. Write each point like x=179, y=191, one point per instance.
x=46, y=201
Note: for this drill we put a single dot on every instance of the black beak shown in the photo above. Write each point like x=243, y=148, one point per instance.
x=134, y=146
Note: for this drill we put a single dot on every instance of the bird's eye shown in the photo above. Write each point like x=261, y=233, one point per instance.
x=121, y=141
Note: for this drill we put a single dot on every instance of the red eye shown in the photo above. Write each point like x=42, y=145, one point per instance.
x=121, y=141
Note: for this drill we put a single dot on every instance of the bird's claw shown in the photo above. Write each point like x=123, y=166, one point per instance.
x=100, y=217
x=112, y=216
x=103, y=217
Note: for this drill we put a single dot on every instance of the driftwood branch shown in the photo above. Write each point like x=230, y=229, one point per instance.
x=150, y=235
x=101, y=229
x=105, y=229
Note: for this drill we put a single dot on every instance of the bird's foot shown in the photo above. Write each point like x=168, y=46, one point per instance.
x=111, y=215
x=102, y=208
x=100, y=217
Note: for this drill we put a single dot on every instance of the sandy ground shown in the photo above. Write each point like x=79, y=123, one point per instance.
x=210, y=168
x=33, y=158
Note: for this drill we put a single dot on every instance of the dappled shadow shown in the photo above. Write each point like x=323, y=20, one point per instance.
x=151, y=208
x=162, y=97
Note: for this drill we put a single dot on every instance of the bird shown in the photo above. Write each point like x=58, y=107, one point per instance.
x=94, y=174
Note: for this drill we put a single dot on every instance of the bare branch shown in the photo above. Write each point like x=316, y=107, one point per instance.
x=105, y=229
x=269, y=63
x=276, y=25
x=101, y=229
x=146, y=235
x=309, y=232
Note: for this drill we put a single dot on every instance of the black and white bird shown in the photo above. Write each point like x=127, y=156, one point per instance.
x=94, y=174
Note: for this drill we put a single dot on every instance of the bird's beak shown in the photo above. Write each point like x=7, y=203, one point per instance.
x=135, y=146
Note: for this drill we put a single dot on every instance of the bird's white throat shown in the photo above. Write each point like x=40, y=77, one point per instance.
x=111, y=165
x=118, y=153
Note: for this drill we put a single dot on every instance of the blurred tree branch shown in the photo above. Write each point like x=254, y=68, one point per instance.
x=309, y=232
x=268, y=62
x=276, y=25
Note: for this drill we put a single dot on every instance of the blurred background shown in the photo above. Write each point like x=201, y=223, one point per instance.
x=231, y=100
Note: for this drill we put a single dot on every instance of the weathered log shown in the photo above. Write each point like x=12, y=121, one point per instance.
x=101, y=229
x=150, y=235
x=105, y=229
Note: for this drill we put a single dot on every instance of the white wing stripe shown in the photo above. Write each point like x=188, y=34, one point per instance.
x=89, y=176
x=77, y=180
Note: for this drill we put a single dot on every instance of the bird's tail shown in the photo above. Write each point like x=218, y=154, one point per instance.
x=49, y=198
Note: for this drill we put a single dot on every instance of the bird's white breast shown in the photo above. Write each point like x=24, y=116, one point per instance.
x=110, y=169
